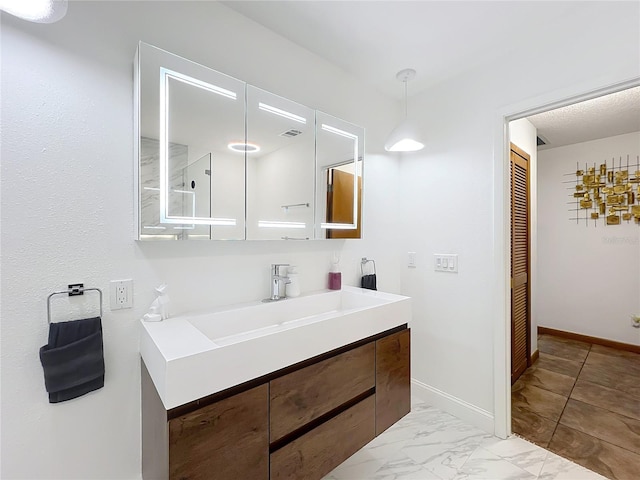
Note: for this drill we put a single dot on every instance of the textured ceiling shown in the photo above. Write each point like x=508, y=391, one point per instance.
x=614, y=114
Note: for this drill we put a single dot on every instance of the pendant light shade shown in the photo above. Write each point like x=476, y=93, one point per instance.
x=38, y=11
x=405, y=137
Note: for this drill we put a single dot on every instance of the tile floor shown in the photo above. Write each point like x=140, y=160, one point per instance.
x=582, y=401
x=429, y=444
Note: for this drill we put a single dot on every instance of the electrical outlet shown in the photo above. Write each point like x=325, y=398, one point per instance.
x=121, y=294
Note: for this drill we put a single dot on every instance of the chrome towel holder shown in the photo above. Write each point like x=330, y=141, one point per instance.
x=366, y=260
x=73, y=290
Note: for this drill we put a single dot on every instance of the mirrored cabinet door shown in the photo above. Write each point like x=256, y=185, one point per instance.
x=191, y=183
x=339, y=173
x=280, y=172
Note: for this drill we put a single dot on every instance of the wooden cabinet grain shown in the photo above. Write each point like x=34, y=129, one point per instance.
x=393, y=379
x=228, y=439
x=306, y=394
x=325, y=447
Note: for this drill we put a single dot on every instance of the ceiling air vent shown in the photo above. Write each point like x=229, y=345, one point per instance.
x=540, y=141
x=291, y=133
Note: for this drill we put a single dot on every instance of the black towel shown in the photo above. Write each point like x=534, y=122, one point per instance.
x=369, y=281
x=73, y=360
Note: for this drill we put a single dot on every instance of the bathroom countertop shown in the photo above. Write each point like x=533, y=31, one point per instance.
x=186, y=364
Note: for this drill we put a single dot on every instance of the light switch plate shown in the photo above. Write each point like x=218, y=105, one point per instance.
x=445, y=262
x=411, y=259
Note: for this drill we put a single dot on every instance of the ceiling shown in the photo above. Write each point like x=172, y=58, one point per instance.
x=373, y=40
x=601, y=117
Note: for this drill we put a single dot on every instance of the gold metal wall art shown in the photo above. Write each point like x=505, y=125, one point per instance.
x=606, y=191
x=613, y=220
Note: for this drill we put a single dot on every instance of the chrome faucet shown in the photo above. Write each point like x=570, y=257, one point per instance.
x=277, y=279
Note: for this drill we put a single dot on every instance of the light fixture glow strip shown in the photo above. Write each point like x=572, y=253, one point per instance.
x=337, y=131
x=342, y=133
x=339, y=226
x=195, y=82
x=230, y=222
x=271, y=224
x=282, y=113
x=165, y=76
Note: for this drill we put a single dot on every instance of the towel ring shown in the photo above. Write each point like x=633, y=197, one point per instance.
x=365, y=260
x=73, y=290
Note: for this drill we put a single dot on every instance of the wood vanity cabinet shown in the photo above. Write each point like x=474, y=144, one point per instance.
x=297, y=423
x=393, y=379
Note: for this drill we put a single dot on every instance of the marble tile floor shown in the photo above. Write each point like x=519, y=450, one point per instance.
x=429, y=444
x=582, y=401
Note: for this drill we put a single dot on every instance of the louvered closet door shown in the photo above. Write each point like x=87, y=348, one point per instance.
x=520, y=341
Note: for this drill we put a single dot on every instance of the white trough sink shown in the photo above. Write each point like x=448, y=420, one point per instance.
x=192, y=356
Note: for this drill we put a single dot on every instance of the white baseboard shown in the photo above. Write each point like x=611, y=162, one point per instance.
x=453, y=405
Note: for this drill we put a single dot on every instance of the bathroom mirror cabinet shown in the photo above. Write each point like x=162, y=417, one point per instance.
x=219, y=159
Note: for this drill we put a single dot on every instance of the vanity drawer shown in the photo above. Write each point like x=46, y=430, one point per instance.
x=319, y=451
x=306, y=394
x=227, y=440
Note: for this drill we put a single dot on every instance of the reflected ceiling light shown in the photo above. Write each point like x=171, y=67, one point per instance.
x=243, y=147
x=271, y=224
x=39, y=11
x=404, y=138
x=283, y=113
x=337, y=131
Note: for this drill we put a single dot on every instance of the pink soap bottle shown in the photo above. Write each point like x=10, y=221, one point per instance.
x=335, y=277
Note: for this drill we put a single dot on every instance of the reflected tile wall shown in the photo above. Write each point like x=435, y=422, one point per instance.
x=149, y=171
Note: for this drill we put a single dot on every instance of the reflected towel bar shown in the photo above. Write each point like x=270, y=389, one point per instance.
x=287, y=207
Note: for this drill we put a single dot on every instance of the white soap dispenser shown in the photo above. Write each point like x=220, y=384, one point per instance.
x=293, y=287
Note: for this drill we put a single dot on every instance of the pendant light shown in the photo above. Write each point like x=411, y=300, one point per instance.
x=404, y=138
x=38, y=11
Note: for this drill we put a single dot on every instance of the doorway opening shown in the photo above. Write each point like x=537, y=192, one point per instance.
x=550, y=375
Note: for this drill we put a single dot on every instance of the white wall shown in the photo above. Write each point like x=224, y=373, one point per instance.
x=449, y=190
x=67, y=210
x=523, y=134
x=67, y=205
x=588, y=271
